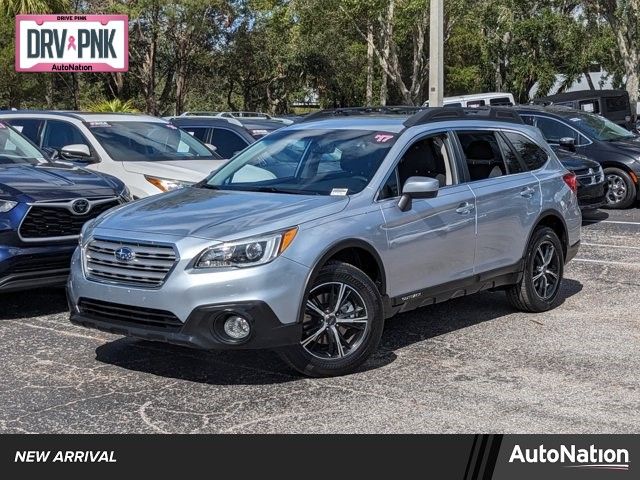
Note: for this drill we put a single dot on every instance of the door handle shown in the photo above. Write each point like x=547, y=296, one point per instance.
x=527, y=192
x=465, y=208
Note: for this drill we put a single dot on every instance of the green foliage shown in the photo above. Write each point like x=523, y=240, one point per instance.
x=266, y=54
x=113, y=106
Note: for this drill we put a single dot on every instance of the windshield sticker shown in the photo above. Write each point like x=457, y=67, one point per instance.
x=574, y=119
x=171, y=126
x=382, y=137
x=2, y=125
x=99, y=124
x=339, y=192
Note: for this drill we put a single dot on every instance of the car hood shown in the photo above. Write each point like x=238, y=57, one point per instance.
x=185, y=170
x=630, y=146
x=51, y=181
x=219, y=214
x=574, y=161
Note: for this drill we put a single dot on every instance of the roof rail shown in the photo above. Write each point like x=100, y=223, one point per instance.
x=349, y=111
x=436, y=114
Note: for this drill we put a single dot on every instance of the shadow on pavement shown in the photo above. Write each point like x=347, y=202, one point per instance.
x=32, y=303
x=594, y=216
x=265, y=367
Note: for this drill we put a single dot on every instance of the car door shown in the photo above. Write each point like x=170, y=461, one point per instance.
x=433, y=242
x=507, y=198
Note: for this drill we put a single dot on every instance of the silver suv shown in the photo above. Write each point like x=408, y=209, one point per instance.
x=310, y=238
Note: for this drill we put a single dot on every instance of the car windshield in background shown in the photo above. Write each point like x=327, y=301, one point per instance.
x=148, y=141
x=307, y=162
x=15, y=149
x=600, y=128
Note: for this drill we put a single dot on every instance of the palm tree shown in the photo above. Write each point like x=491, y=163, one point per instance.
x=116, y=105
x=14, y=7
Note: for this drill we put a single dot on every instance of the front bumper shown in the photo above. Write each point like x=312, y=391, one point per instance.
x=203, y=329
x=270, y=295
x=23, y=268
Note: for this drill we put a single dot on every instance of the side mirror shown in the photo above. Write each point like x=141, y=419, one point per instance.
x=417, y=187
x=76, y=150
x=568, y=143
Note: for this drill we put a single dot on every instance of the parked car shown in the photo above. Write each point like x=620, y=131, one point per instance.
x=242, y=115
x=148, y=154
x=43, y=206
x=380, y=214
x=227, y=137
x=592, y=183
x=611, y=104
x=613, y=147
x=493, y=99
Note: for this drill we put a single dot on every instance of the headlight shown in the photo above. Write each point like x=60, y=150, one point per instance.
x=166, y=184
x=248, y=252
x=6, y=205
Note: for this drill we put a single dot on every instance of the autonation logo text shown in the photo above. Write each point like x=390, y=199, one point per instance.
x=574, y=457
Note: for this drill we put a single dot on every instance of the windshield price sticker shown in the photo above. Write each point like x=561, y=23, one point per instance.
x=72, y=43
x=2, y=125
x=99, y=124
x=339, y=192
x=383, y=137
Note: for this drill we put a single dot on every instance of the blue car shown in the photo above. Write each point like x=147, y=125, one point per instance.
x=43, y=206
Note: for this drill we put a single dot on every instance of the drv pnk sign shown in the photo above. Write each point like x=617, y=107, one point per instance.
x=72, y=43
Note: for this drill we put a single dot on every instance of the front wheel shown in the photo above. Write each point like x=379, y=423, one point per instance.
x=621, y=191
x=342, y=323
x=543, y=271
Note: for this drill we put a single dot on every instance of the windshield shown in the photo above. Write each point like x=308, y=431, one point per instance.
x=148, y=142
x=15, y=149
x=307, y=162
x=600, y=128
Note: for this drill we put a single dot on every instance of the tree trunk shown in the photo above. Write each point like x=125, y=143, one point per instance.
x=369, y=94
x=587, y=75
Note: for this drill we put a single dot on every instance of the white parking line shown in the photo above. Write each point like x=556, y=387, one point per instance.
x=609, y=246
x=606, y=262
x=617, y=222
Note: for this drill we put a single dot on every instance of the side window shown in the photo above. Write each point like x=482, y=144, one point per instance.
x=428, y=157
x=500, y=101
x=553, y=130
x=228, y=143
x=201, y=133
x=531, y=154
x=591, y=106
x=483, y=155
x=528, y=119
x=476, y=103
x=59, y=134
x=29, y=127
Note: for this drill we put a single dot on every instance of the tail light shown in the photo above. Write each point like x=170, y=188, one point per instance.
x=572, y=181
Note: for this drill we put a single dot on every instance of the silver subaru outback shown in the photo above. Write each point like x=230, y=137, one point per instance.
x=310, y=238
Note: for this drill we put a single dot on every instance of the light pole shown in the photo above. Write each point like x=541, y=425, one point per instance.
x=436, y=59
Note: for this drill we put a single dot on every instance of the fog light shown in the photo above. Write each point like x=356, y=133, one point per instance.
x=237, y=327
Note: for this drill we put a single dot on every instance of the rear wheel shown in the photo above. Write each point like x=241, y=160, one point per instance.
x=621, y=191
x=342, y=323
x=544, y=267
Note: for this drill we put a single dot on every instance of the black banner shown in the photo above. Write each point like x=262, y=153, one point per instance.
x=460, y=457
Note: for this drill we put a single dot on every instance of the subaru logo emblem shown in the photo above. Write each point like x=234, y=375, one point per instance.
x=125, y=255
x=80, y=206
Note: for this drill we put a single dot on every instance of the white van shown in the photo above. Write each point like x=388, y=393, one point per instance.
x=493, y=99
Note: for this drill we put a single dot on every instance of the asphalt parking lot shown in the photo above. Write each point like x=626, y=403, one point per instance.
x=469, y=365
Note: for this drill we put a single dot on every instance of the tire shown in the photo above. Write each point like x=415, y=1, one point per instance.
x=334, y=344
x=527, y=295
x=621, y=191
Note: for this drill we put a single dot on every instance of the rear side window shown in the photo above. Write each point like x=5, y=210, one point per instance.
x=531, y=154
x=29, y=127
x=506, y=101
x=484, y=157
x=201, y=133
x=617, y=104
x=227, y=143
x=591, y=106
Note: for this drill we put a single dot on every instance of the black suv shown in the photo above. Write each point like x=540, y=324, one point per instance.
x=613, y=147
